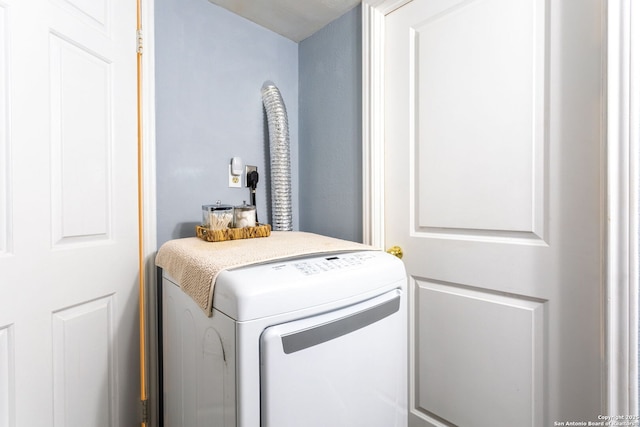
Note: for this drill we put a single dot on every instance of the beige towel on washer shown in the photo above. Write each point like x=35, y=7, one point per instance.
x=195, y=263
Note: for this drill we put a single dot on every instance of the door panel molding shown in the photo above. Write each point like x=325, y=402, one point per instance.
x=7, y=377
x=84, y=352
x=503, y=109
x=467, y=353
x=94, y=13
x=81, y=151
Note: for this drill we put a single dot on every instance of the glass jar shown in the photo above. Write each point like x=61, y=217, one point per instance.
x=217, y=217
x=244, y=216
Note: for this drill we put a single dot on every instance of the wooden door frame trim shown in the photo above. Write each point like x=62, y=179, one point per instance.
x=621, y=174
x=149, y=205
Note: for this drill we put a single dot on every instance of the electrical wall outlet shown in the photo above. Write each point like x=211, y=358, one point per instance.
x=235, y=181
x=248, y=169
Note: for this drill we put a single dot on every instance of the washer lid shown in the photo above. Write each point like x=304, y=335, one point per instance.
x=269, y=289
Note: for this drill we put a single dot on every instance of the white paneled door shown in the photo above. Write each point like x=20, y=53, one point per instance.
x=68, y=214
x=493, y=154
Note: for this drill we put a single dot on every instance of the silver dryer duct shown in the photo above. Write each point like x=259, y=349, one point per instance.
x=280, y=157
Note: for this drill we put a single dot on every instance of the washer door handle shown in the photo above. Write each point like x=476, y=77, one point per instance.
x=306, y=338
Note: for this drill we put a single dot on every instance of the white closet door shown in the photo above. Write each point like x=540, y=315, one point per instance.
x=493, y=188
x=68, y=214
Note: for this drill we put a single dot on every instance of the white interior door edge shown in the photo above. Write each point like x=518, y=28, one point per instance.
x=623, y=192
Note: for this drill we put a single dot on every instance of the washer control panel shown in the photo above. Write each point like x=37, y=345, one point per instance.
x=287, y=285
x=335, y=262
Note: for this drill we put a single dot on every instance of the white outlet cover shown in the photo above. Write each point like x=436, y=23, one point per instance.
x=235, y=181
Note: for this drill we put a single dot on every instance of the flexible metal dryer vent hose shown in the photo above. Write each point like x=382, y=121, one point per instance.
x=280, y=157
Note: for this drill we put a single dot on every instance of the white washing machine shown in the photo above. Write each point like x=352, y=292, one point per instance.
x=309, y=342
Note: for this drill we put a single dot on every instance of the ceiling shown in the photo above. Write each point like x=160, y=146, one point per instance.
x=294, y=19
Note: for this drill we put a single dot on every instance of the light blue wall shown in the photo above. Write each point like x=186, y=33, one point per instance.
x=330, y=129
x=210, y=66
